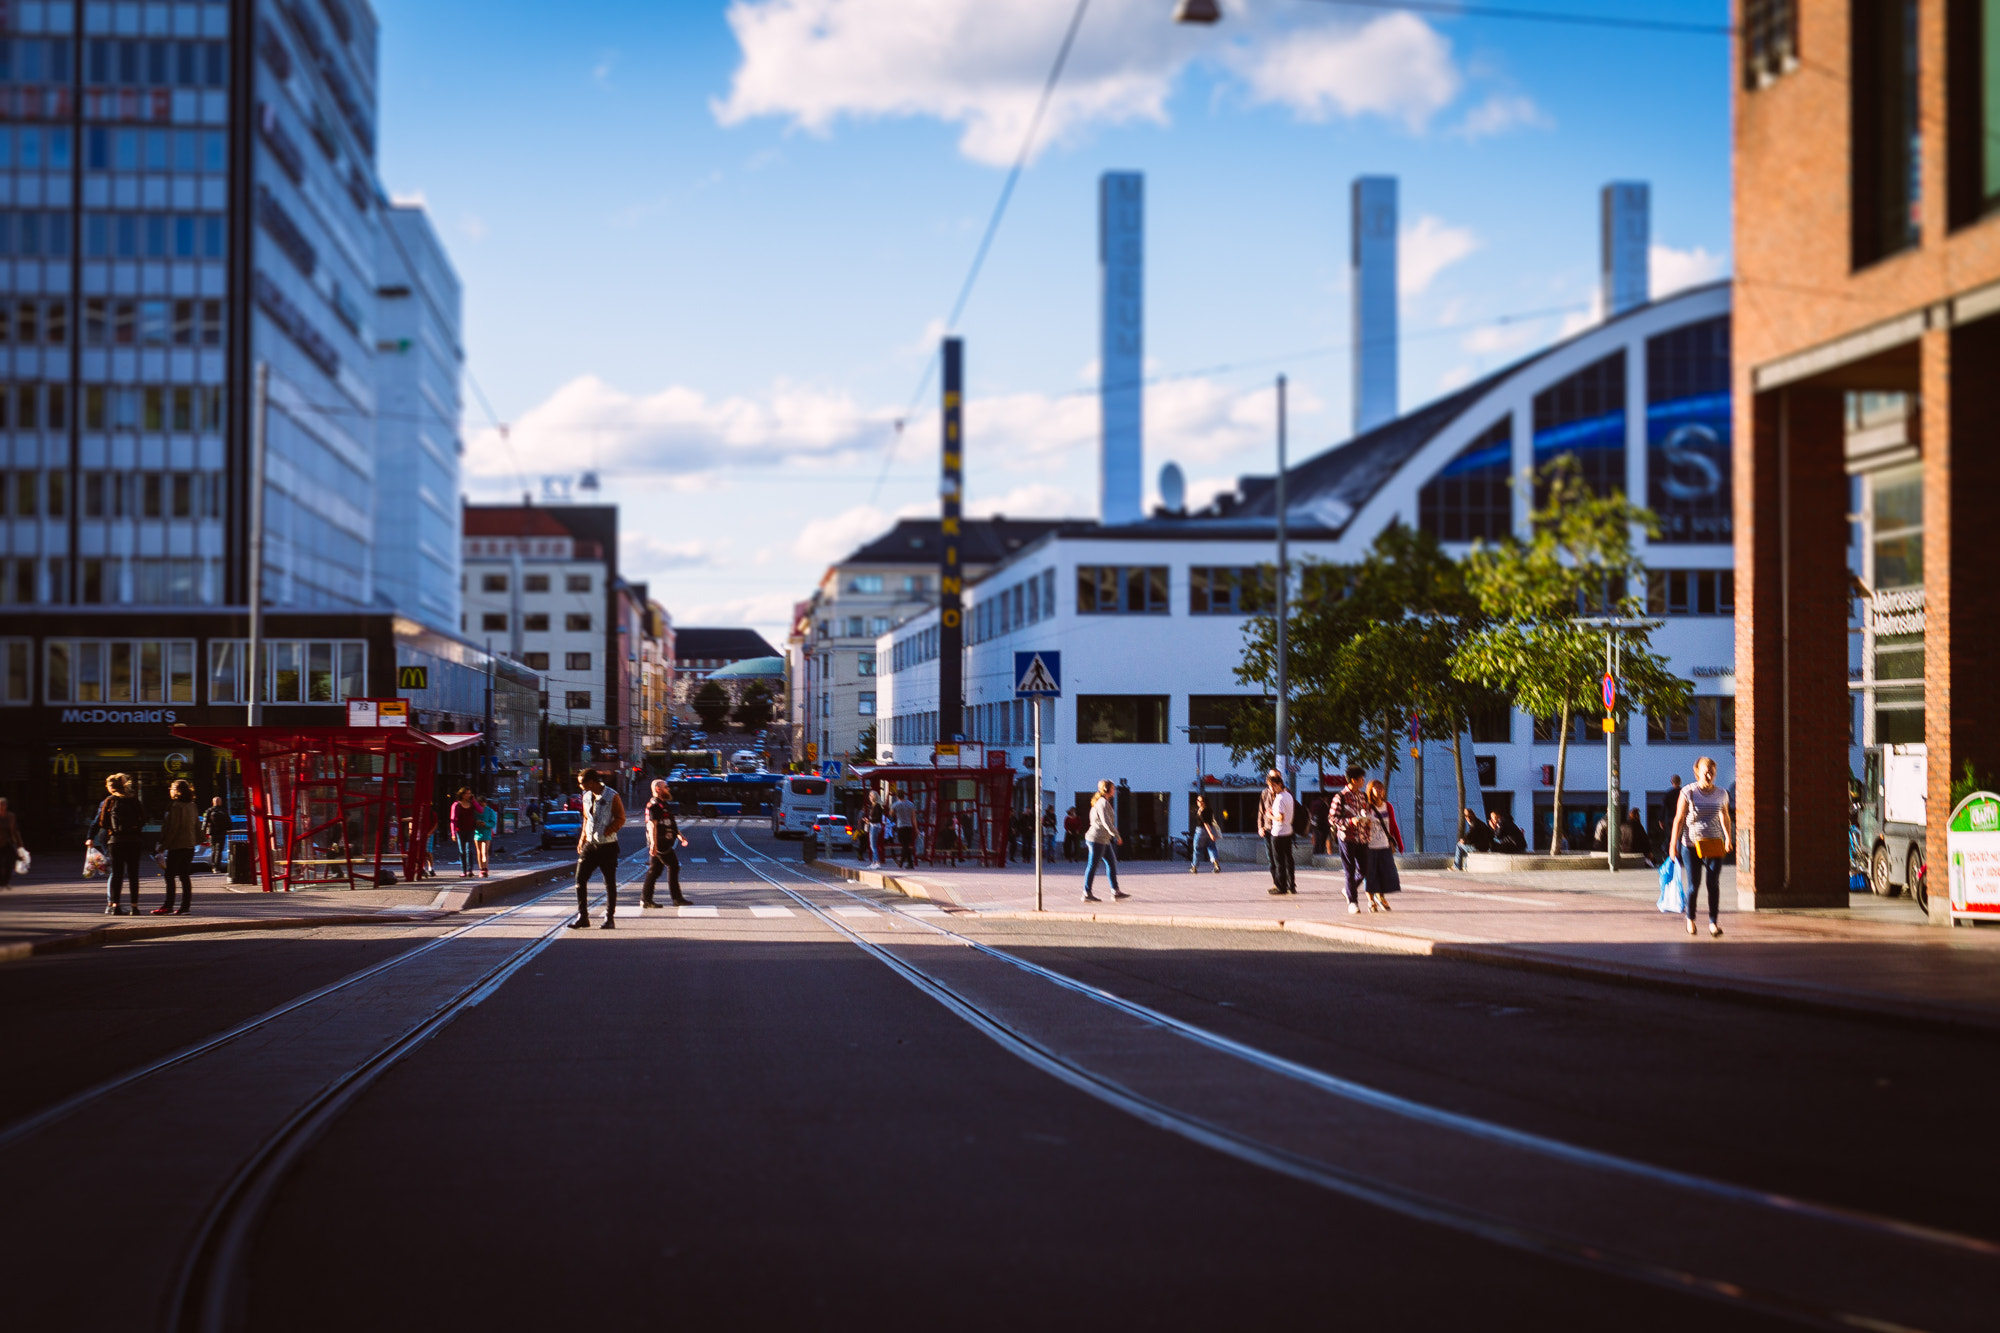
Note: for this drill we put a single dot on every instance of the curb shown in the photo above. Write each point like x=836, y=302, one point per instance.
x=445, y=904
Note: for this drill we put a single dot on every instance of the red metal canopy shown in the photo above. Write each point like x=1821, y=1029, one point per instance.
x=331, y=805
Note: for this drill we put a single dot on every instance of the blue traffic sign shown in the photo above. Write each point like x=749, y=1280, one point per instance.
x=1610, y=692
x=829, y=768
x=1037, y=675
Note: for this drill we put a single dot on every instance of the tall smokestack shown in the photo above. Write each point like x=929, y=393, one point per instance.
x=1374, y=284
x=1626, y=234
x=1121, y=259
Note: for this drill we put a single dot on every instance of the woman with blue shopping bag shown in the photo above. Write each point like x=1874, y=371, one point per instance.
x=1702, y=818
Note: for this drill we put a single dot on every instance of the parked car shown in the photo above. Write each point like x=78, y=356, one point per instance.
x=561, y=828
x=831, y=831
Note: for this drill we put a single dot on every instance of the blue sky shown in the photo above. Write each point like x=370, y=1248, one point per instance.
x=708, y=248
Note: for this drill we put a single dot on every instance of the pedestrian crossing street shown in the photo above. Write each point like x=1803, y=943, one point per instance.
x=759, y=911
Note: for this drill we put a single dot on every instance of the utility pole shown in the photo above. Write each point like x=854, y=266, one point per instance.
x=1282, y=756
x=259, y=410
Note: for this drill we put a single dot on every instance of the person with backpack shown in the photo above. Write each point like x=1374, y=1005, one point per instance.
x=121, y=821
x=180, y=830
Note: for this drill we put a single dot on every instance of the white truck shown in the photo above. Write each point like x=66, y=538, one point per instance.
x=1893, y=819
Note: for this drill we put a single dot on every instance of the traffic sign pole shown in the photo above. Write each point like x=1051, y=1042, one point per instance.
x=1613, y=816
x=1036, y=704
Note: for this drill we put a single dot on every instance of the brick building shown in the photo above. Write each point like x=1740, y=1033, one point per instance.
x=1867, y=403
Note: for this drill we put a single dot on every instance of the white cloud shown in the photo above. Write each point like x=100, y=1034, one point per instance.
x=1669, y=270
x=825, y=540
x=644, y=555
x=677, y=437
x=1396, y=66
x=1576, y=321
x=1426, y=248
x=1501, y=112
x=770, y=614
x=981, y=66
x=474, y=227
x=1034, y=500
x=1494, y=339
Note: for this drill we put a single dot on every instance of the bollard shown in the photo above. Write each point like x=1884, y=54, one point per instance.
x=809, y=845
x=242, y=867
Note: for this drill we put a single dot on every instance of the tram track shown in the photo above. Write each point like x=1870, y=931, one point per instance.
x=1785, y=1290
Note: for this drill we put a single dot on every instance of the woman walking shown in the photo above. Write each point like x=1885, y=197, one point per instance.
x=1702, y=817
x=1206, y=836
x=464, y=823
x=1385, y=839
x=11, y=846
x=180, y=830
x=483, y=831
x=1099, y=839
x=123, y=822
x=663, y=843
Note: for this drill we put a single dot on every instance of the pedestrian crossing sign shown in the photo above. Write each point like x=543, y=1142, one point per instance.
x=1037, y=675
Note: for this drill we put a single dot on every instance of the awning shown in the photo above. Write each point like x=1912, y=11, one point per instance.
x=352, y=738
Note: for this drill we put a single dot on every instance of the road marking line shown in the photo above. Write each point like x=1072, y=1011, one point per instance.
x=699, y=860
x=700, y=911
x=771, y=911
x=853, y=911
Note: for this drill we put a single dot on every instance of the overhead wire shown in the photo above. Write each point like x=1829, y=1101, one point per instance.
x=1445, y=9
x=986, y=239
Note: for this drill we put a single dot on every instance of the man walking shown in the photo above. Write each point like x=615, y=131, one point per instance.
x=905, y=811
x=1274, y=820
x=215, y=832
x=1351, y=820
x=597, y=847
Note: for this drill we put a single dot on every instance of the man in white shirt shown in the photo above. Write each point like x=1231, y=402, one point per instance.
x=597, y=847
x=904, y=811
x=1274, y=821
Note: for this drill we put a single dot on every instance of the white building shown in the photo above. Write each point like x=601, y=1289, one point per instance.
x=1146, y=620
x=417, y=367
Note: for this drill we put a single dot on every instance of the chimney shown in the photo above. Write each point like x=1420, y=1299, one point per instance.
x=1374, y=288
x=1121, y=255
x=1626, y=234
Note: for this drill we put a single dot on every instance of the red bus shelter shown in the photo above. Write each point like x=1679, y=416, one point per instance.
x=968, y=806
x=336, y=806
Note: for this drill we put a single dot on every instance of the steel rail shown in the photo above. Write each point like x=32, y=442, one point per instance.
x=1353, y=1184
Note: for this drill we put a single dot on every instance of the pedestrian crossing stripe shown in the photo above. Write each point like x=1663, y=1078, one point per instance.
x=701, y=911
x=925, y=909
x=699, y=860
x=852, y=911
x=770, y=911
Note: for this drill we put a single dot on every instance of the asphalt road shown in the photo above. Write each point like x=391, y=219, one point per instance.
x=815, y=1107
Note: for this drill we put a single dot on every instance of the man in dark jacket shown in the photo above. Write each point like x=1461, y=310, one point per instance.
x=1473, y=836
x=215, y=832
x=122, y=821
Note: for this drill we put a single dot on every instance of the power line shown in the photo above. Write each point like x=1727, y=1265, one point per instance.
x=1448, y=10
x=992, y=228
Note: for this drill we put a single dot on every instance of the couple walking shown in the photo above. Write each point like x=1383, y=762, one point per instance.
x=597, y=847
x=1364, y=828
x=473, y=823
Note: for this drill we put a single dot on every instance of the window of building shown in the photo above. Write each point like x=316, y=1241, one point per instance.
x=16, y=667
x=1584, y=415
x=916, y=585
x=865, y=583
x=294, y=671
x=1210, y=716
x=864, y=664
x=577, y=622
x=1688, y=433
x=534, y=583
x=576, y=583
x=1491, y=722
x=1121, y=590
x=576, y=700
x=1691, y=592
x=119, y=671
x=1121, y=719
x=492, y=583
x=1712, y=718
x=1886, y=157
x=576, y=661
x=1230, y=590
x=535, y=661
x=1972, y=109
x=1472, y=497
x=878, y=626
x=865, y=703
x=493, y=621
x=854, y=627
x=537, y=623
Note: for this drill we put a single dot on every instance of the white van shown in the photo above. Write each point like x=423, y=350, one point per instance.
x=800, y=797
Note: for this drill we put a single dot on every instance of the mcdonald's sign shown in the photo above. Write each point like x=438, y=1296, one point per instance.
x=413, y=678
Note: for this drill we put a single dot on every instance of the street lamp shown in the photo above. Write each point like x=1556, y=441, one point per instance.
x=1614, y=815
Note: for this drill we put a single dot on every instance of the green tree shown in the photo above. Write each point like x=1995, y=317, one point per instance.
x=711, y=705
x=1579, y=562
x=756, y=708
x=864, y=746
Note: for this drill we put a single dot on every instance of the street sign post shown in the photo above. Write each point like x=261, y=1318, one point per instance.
x=830, y=770
x=1038, y=676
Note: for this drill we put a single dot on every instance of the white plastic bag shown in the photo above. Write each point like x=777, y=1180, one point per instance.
x=94, y=863
x=22, y=861
x=1673, y=886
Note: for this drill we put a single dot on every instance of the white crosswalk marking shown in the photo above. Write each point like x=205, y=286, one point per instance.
x=698, y=860
x=770, y=911
x=853, y=911
x=701, y=911
x=924, y=909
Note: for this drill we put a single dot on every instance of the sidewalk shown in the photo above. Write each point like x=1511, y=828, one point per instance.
x=1876, y=957
x=39, y=915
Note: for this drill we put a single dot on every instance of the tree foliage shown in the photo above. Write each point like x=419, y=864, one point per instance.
x=756, y=708
x=1579, y=561
x=711, y=705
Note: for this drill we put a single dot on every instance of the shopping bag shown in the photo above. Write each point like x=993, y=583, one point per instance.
x=22, y=861
x=1673, y=886
x=93, y=863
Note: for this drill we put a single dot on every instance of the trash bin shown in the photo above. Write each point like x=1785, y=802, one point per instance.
x=242, y=868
